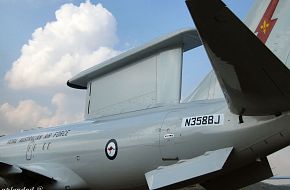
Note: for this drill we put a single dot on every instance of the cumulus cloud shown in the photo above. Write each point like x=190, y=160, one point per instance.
x=80, y=37
x=63, y=113
x=25, y=115
x=29, y=114
x=26, y=111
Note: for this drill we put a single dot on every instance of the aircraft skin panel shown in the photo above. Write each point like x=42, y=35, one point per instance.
x=187, y=169
x=154, y=81
x=141, y=78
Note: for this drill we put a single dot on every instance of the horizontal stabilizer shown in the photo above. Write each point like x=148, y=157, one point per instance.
x=187, y=169
x=247, y=175
x=254, y=81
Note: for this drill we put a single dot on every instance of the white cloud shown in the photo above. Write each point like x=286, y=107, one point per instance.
x=79, y=38
x=29, y=114
x=25, y=115
x=63, y=113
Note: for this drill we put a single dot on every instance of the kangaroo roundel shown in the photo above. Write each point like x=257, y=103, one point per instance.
x=111, y=149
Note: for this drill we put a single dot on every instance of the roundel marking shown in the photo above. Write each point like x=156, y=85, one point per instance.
x=111, y=149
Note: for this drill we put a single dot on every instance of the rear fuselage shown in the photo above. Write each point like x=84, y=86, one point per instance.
x=145, y=140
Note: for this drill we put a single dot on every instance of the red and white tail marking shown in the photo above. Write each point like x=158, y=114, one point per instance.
x=267, y=23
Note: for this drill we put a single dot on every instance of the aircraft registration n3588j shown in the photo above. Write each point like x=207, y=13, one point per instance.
x=145, y=138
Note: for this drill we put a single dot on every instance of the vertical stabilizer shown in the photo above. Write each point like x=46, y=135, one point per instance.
x=254, y=81
x=269, y=20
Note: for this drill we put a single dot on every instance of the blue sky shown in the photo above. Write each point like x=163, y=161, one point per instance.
x=137, y=22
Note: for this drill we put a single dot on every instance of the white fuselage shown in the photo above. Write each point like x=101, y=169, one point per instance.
x=145, y=139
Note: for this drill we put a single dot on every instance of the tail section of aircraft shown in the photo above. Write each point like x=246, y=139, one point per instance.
x=269, y=21
x=253, y=80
